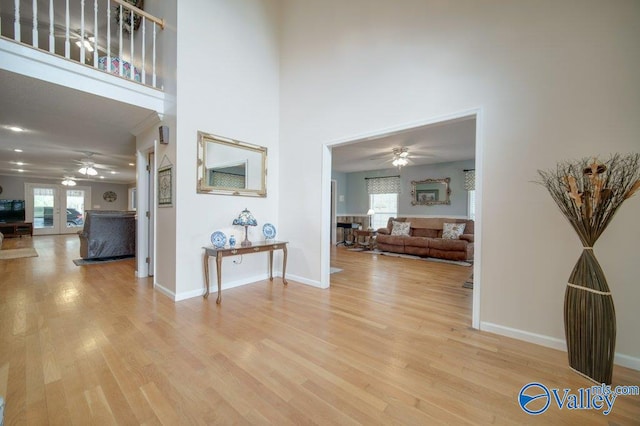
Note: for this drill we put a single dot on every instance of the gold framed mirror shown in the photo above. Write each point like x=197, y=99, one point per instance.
x=230, y=167
x=430, y=192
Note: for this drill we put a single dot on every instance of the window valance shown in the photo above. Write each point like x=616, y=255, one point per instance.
x=383, y=185
x=470, y=180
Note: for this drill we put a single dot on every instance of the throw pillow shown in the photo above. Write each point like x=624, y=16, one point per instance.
x=452, y=231
x=401, y=228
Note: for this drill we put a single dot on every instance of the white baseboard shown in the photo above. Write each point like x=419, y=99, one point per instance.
x=303, y=280
x=551, y=342
x=213, y=288
x=165, y=291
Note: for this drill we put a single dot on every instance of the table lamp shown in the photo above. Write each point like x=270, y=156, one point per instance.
x=245, y=219
x=370, y=213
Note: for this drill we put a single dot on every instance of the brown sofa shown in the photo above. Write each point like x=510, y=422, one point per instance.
x=425, y=239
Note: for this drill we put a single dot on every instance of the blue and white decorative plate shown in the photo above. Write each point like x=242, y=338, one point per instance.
x=269, y=231
x=218, y=239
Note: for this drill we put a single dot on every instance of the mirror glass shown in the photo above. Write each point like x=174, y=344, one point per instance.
x=230, y=167
x=430, y=192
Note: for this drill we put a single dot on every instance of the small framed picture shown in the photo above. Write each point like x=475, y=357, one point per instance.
x=427, y=195
x=165, y=187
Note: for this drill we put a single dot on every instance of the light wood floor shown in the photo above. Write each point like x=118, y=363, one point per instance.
x=389, y=343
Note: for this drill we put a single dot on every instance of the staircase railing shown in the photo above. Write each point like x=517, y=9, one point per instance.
x=106, y=31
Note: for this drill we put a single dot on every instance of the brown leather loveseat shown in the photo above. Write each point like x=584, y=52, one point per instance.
x=425, y=239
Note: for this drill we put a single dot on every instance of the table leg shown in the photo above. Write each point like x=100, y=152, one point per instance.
x=219, y=272
x=284, y=263
x=270, y=265
x=206, y=274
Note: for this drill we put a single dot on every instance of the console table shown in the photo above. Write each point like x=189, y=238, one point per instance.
x=16, y=229
x=255, y=247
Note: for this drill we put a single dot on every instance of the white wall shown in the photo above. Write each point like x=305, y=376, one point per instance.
x=555, y=80
x=227, y=85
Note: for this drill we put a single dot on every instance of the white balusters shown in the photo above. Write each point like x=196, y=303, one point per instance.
x=67, y=45
x=144, y=39
x=16, y=21
x=34, y=30
x=95, y=33
x=52, y=37
x=153, y=68
x=131, y=67
x=82, y=57
x=108, y=63
x=120, y=44
x=86, y=36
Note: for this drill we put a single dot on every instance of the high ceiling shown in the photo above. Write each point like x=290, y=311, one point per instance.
x=448, y=141
x=62, y=127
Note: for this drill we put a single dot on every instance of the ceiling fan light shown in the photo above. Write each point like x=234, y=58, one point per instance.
x=88, y=170
x=69, y=182
x=87, y=45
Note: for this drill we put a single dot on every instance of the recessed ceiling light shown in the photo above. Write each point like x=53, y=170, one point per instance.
x=15, y=128
x=20, y=170
x=132, y=164
x=113, y=172
x=101, y=177
x=17, y=150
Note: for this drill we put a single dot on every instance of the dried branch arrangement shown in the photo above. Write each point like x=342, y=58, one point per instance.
x=589, y=193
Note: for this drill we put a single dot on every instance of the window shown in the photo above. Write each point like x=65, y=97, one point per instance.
x=472, y=205
x=384, y=206
x=383, y=198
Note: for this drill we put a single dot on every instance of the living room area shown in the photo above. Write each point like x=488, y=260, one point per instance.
x=408, y=194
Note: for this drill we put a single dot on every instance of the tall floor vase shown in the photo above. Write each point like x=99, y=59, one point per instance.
x=590, y=320
x=588, y=193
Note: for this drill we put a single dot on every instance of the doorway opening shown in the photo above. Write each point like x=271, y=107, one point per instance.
x=396, y=136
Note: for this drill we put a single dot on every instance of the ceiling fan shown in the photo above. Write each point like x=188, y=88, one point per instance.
x=88, y=166
x=400, y=156
x=75, y=36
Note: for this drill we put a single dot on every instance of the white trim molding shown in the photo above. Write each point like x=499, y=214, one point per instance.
x=551, y=342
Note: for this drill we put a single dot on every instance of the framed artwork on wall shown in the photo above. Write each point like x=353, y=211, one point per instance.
x=427, y=195
x=165, y=187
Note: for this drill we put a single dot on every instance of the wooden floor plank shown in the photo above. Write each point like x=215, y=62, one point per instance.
x=389, y=343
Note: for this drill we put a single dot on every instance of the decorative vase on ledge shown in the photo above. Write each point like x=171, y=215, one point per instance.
x=589, y=193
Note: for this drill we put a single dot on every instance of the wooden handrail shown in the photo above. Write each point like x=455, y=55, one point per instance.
x=140, y=12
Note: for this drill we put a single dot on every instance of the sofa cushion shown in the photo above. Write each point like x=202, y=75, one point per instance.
x=417, y=242
x=394, y=240
x=442, y=244
x=401, y=228
x=452, y=231
x=424, y=232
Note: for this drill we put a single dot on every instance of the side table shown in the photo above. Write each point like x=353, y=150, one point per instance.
x=364, y=238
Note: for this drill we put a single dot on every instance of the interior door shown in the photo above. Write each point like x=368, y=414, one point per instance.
x=56, y=209
x=151, y=212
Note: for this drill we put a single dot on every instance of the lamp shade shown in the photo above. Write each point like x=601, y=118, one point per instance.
x=245, y=219
x=370, y=212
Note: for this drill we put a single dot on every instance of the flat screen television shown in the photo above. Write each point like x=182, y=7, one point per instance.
x=11, y=211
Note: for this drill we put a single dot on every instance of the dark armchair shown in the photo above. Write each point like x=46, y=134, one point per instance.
x=108, y=233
